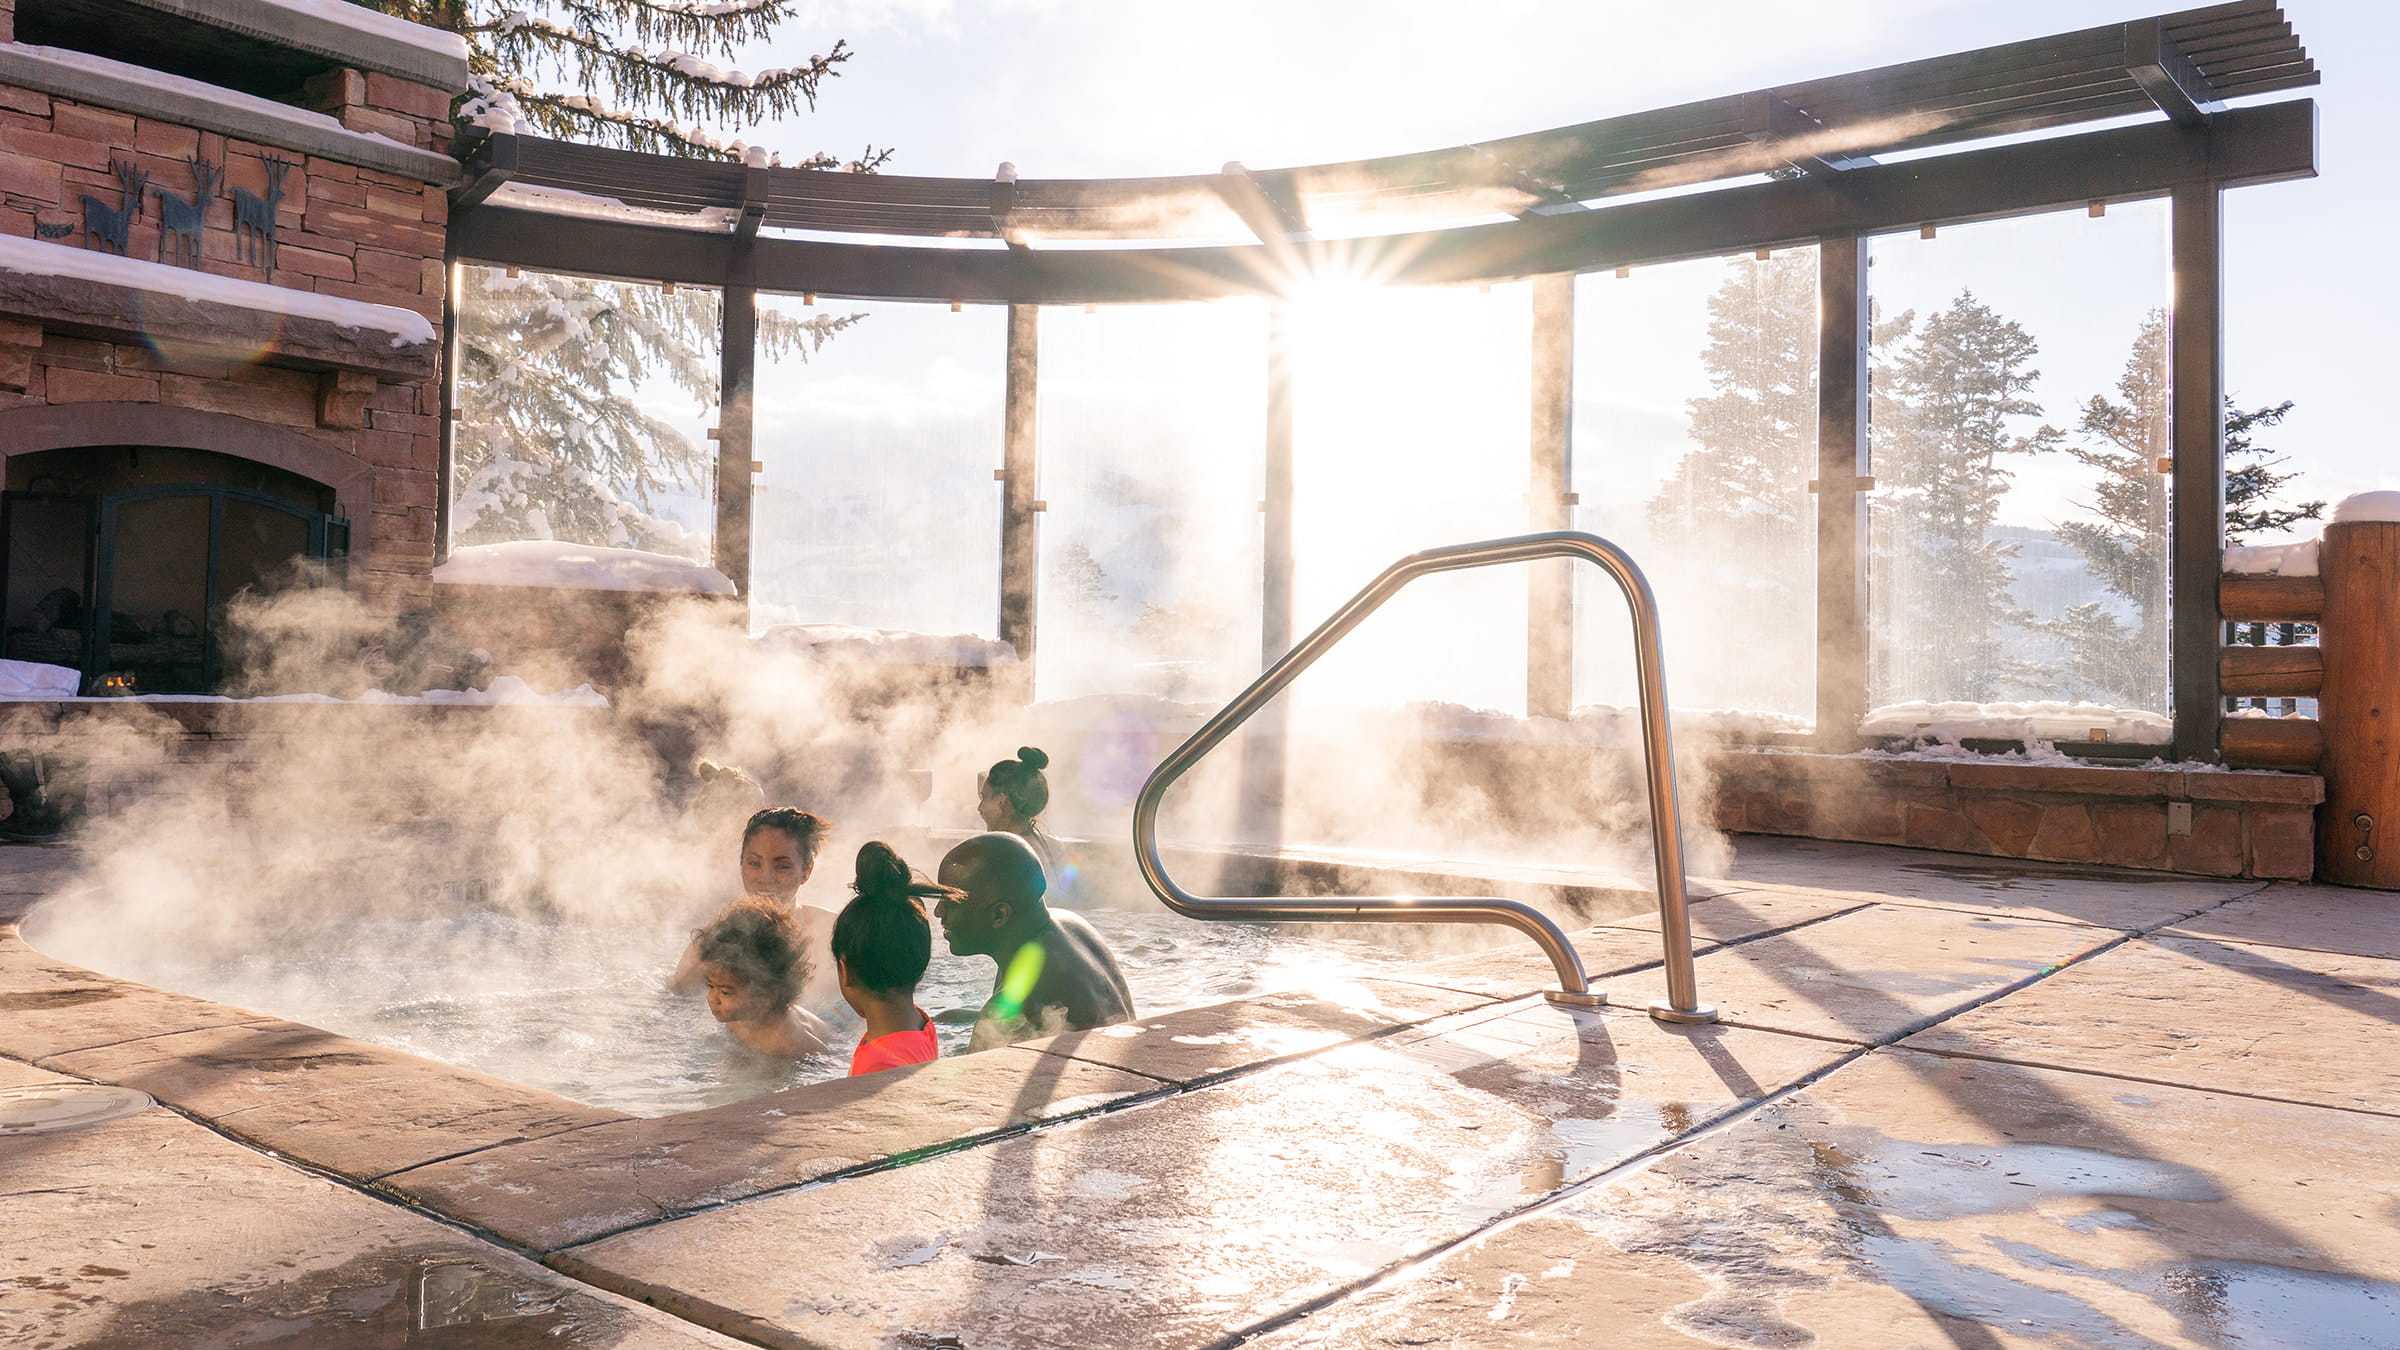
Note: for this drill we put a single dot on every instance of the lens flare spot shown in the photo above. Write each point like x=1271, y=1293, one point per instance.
x=1024, y=971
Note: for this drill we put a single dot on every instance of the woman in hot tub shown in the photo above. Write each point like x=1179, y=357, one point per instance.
x=779, y=852
x=1009, y=796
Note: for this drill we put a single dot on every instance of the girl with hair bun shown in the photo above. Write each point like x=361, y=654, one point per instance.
x=1008, y=797
x=882, y=942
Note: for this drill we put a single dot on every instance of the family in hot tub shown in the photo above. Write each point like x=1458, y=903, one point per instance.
x=771, y=965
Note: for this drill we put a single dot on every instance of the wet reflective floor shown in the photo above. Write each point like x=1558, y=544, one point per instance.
x=1953, y=1104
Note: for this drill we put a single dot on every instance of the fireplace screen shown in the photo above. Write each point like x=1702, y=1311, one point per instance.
x=130, y=587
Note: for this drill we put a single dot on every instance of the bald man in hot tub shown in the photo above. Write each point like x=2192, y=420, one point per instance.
x=1054, y=974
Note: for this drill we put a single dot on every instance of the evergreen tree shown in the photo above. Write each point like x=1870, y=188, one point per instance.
x=631, y=73
x=1737, y=509
x=2250, y=478
x=2128, y=544
x=1080, y=578
x=552, y=441
x=1949, y=396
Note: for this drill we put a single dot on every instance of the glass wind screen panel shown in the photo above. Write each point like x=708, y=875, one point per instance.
x=1695, y=439
x=158, y=595
x=877, y=505
x=583, y=412
x=2019, y=539
x=1411, y=430
x=49, y=542
x=1152, y=425
x=258, y=548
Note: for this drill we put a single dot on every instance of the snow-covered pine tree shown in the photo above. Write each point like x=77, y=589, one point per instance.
x=2127, y=546
x=2127, y=543
x=631, y=73
x=1737, y=509
x=1948, y=401
x=2251, y=482
x=553, y=440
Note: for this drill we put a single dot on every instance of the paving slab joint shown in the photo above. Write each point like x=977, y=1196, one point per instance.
x=1396, y=1270
x=1644, y=1158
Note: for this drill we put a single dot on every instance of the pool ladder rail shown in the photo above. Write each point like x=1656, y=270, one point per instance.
x=1682, y=1003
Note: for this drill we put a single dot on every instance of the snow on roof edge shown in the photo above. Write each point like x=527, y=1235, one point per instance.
x=374, y=23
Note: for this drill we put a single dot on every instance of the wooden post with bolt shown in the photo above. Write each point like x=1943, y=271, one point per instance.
x=2358, y=828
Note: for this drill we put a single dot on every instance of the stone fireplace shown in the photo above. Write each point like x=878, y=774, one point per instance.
x=221, y=285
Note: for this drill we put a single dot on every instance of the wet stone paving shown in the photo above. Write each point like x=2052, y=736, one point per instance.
x=1951, y=1103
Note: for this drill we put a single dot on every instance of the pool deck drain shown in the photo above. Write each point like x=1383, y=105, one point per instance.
x=1955, y=1102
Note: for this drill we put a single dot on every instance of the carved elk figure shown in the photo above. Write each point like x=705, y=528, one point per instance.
x=113, y=225
x=254, y=216
x=181, y=222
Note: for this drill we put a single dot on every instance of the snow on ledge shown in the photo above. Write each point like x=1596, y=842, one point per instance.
x=2364, y=506
x=881, y=646
x=556, y=565
x=33, y=257
x=504, y=690
x=359, y=19
x=283, y=115
x=2047, y=721
x=35, y=680
x=2274, y=560
x=586, y=206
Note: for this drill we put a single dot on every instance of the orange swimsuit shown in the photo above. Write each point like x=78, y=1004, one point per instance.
x=897, y=1050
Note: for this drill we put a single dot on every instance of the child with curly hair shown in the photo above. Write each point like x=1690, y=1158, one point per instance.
x=753, y=960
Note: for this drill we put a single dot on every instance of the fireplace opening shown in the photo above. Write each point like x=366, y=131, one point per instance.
x=121, y=559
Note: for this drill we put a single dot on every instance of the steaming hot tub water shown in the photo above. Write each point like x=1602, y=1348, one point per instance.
x=584, y=1012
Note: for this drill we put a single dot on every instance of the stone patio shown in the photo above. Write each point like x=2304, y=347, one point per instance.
x=1953, y=1101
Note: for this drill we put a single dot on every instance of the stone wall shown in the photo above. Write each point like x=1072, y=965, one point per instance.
x=126, y=752
x=2222, y=823
x=345, y=230
x=359, y=233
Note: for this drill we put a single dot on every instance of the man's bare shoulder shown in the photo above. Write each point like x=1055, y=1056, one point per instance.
x=1080, y=933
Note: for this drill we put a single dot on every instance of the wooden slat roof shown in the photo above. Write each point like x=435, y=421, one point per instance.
x=2241, y=48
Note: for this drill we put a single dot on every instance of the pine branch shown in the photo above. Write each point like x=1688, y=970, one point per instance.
x=672, y=80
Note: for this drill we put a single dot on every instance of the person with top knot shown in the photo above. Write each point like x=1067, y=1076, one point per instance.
x=1009, y=795
x=881, y=946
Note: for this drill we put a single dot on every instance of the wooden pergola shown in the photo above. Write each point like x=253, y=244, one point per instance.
x=1797, y=165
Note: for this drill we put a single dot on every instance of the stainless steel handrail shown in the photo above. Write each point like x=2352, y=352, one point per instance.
x=1682, y=1003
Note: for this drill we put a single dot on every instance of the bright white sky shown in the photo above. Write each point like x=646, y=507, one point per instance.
x=1067, y=88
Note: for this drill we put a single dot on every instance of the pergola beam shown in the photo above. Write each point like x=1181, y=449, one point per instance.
x=2168, y=76
x=493, y=162
x=1801, y=141
x=2239, y=146
x=1270, y=215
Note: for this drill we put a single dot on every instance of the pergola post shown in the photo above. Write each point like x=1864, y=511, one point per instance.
x=736, y=447
x=1843, y=465
x=1550, y=502
x=1020, y=527
x=2198, y=487
x=1275, y=505
x=1259, y=819
x=449, y=384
